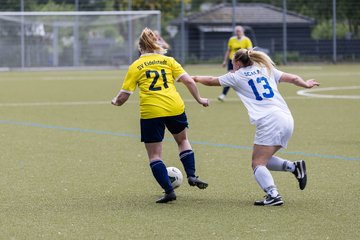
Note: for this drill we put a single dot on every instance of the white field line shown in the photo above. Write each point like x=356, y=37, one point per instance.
x=65, y=78
x=77, y=103
x=309, y=92
x=111, y=76
x=304, y=94
x=335, y=74
x=40, y=104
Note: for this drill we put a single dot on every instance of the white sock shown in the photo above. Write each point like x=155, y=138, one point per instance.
x=265, y=180
x=278, y=164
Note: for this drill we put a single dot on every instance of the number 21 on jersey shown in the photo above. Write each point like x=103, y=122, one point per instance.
x=267, y=90
x=155, y=78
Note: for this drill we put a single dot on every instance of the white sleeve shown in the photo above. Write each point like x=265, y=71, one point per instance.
x=277, y=74
x=227, y=80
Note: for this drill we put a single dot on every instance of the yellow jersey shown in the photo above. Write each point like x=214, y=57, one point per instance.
x=155, y=75
x=235, y=44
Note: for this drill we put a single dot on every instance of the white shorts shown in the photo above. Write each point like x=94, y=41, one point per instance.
x=274, y=130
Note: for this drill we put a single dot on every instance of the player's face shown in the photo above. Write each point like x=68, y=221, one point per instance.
x=239, y=32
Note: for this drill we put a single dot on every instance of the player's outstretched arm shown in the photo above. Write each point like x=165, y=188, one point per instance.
x=120, y=99
x=207, y=80
x=191, y=86
x=298, y=81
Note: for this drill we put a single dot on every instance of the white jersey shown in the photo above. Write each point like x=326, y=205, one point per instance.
x=257, y=89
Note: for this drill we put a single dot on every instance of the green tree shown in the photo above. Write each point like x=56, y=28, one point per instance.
x=84, y=5
x=169, y=9
x=15, y=5
x=349, y=12
x=324, y=30
x=51, y=5
x=9, y=5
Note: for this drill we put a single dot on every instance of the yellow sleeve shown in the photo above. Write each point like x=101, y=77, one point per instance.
x=177, y=70
x=130, y=81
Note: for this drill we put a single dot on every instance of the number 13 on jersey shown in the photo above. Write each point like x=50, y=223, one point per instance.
x=267, y=91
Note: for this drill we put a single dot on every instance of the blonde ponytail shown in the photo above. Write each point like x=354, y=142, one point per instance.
x=262, y=59
x=249, y=57
x=148, y=42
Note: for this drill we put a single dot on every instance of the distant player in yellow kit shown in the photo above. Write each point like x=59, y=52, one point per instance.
x=239, y=41
x=161, y=106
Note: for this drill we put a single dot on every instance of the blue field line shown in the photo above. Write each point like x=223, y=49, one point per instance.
x=136, y=136
x=222, y=145
x=29, y=124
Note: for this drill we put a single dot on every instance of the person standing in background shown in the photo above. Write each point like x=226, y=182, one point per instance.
x=239, y=41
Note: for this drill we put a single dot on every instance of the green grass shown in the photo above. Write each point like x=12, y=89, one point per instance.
x=72, y=166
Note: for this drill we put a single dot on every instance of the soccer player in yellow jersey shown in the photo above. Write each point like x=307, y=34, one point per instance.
x=239, y=41
x=161, y=106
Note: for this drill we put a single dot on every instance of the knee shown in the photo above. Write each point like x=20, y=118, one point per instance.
x=253, y=165
x=256, y=162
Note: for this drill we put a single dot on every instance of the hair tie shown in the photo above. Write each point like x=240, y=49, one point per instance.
x=248, y=53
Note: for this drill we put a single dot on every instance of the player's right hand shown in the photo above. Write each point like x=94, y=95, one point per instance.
x=204, y=102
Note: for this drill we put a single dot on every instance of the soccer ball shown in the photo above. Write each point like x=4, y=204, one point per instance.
x=175, y=176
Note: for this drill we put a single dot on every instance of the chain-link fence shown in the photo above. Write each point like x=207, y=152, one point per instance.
x=72, y=39
x=197, y=30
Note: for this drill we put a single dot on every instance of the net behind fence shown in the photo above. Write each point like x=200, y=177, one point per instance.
x=72, y=39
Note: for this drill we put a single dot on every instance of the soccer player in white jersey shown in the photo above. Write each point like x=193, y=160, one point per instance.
x=255, y=81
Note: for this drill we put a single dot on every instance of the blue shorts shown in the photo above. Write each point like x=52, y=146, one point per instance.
x=153, y=129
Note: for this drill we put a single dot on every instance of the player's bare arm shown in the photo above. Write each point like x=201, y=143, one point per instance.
x=120, y=99
x=207, y=80
x=298, y=81
x=190, y=84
